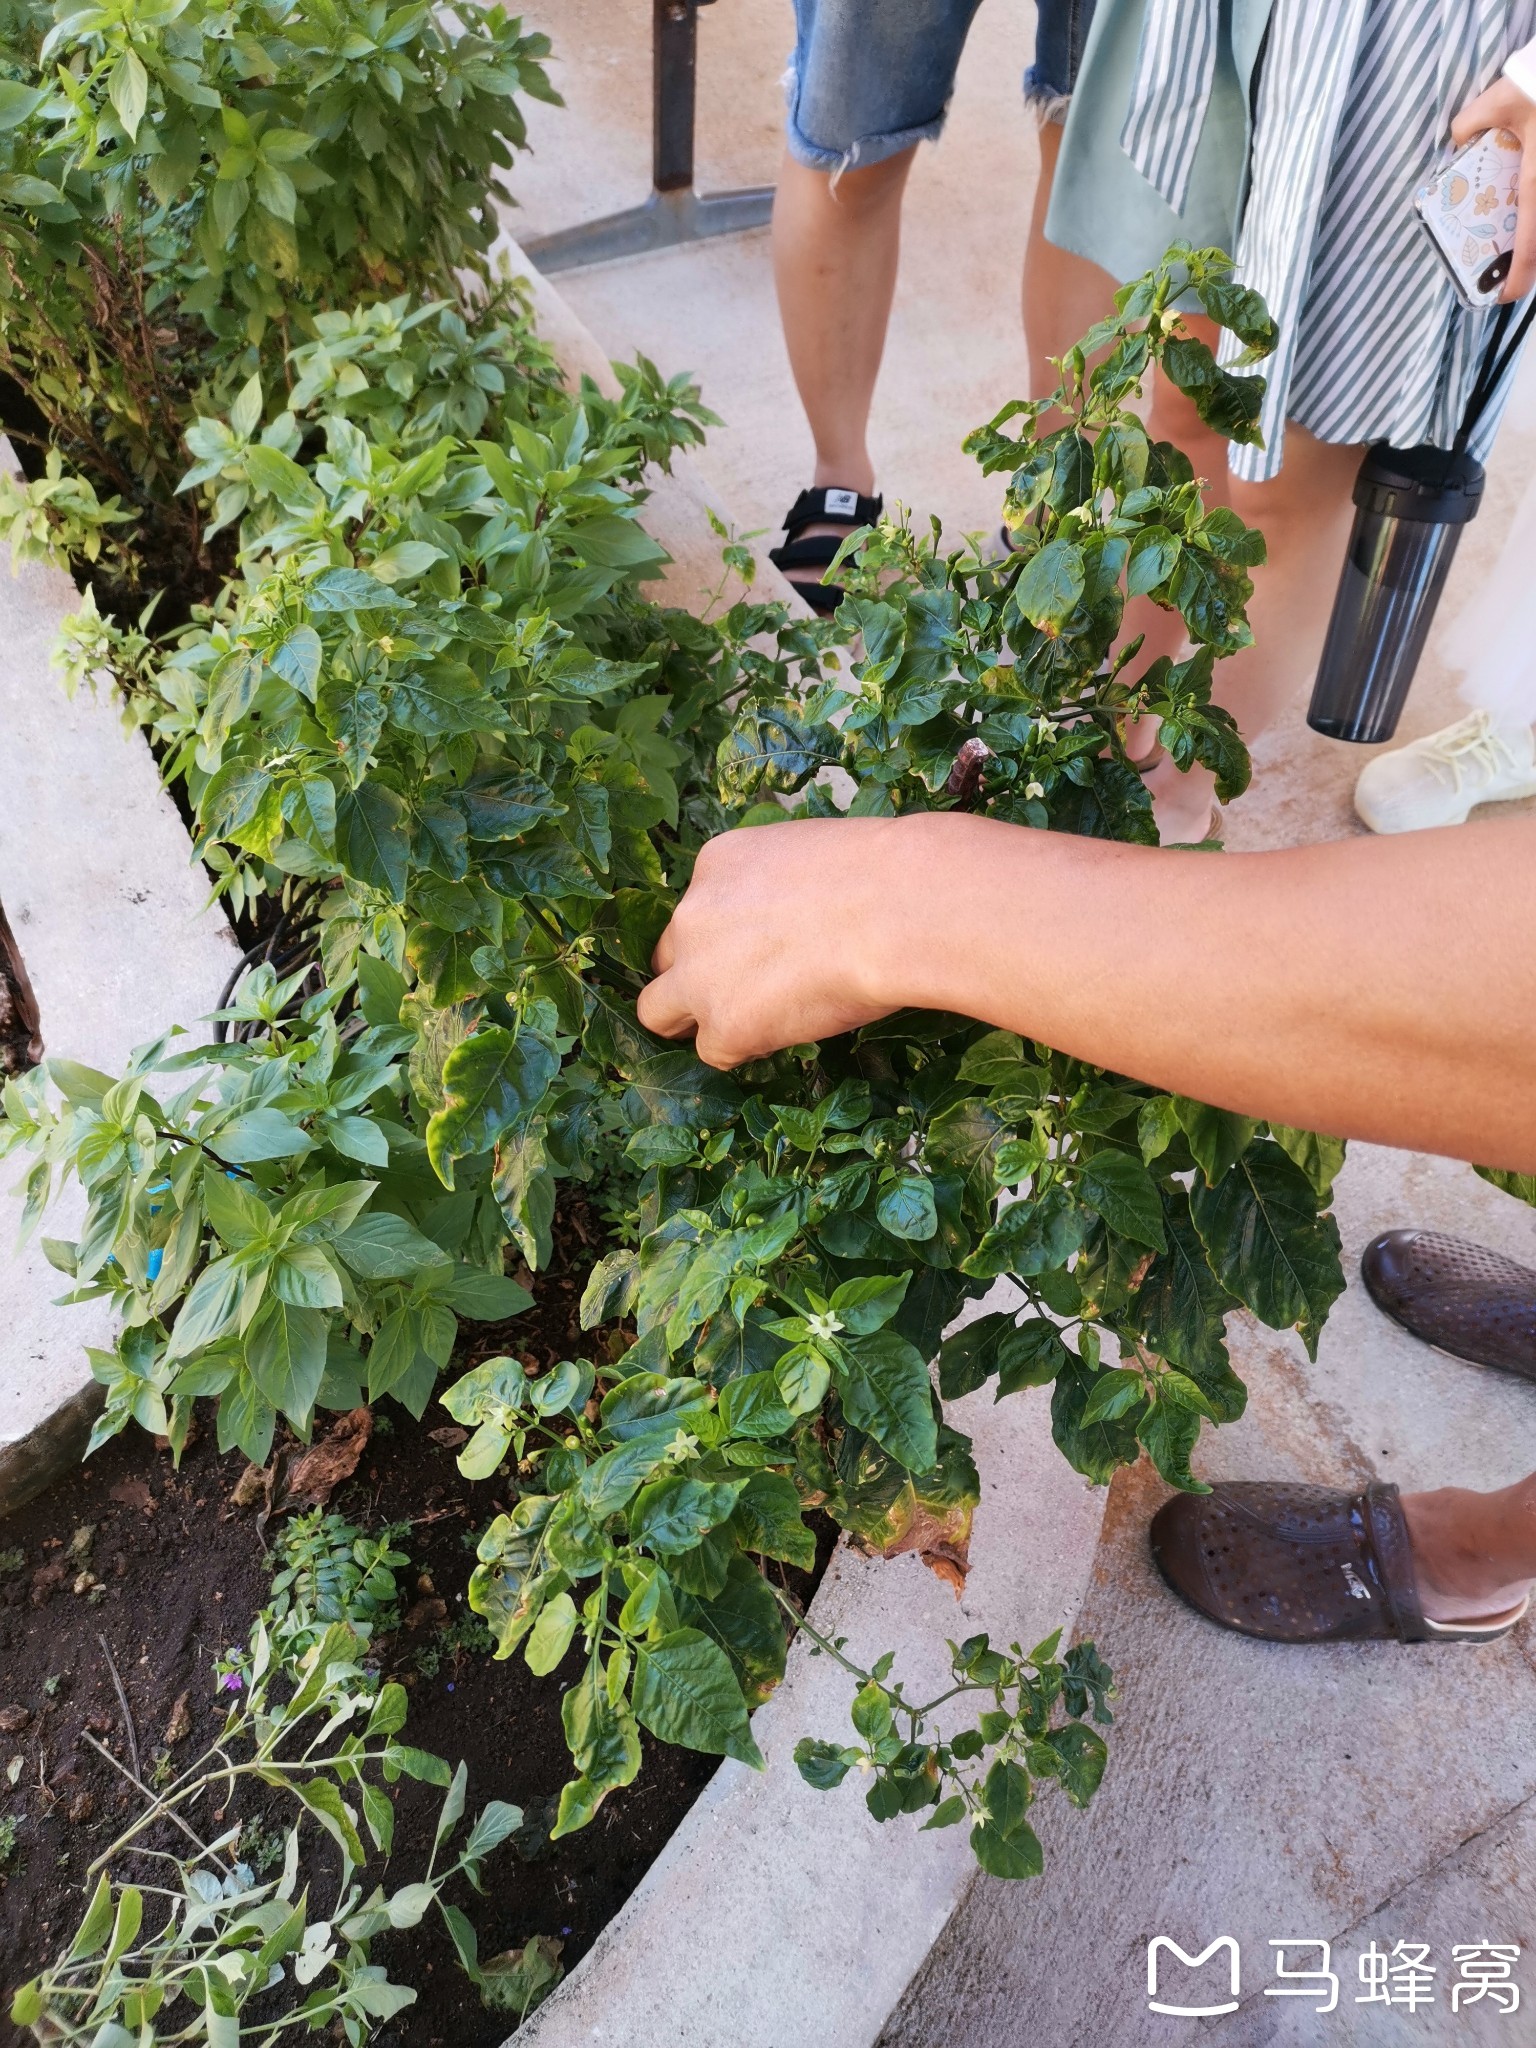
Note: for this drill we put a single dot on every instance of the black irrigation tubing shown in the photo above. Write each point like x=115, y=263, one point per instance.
x=264, y=952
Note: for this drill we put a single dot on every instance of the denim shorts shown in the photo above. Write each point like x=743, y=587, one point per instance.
x=870, y=78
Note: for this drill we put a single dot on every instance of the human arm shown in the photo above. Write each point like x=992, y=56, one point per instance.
x=1380, y=988
x=1510, y=102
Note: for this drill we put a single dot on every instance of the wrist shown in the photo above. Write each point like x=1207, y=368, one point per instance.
x=919, y=945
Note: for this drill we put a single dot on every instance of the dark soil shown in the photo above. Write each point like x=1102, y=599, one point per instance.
x=160, y=1568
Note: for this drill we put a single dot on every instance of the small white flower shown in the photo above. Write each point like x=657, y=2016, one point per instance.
x=1032, y=790
x=823, y=1327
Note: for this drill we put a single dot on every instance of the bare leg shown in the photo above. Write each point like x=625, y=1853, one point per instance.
x=1474, y=1553
x=1305, y=515
x=1063, y=294
x=835, y=248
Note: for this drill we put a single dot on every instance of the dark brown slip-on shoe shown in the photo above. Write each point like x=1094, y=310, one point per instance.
x=1301, y=1564
x=1460, y=1297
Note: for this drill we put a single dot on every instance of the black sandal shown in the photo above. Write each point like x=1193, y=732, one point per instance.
x=818, y=551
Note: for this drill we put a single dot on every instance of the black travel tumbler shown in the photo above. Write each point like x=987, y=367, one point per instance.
x=1411, y=505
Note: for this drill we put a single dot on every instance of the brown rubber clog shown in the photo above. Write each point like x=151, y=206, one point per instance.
x=1462, y=1298
x=1301, y=1564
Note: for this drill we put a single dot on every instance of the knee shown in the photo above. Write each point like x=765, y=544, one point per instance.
x=863, y=190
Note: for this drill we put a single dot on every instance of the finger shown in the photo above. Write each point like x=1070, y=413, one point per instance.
x=719, y=1052
x=1471, y=122
x=1522, y=271
x=665, y=952
x=663, y=1009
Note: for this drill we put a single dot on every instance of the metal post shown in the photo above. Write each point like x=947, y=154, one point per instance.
x=674, y=213
x=674, y=90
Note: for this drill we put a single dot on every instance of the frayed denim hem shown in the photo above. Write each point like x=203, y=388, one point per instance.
x=1045, y=99
x=869, y=149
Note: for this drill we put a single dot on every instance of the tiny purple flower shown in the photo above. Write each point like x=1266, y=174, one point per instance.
x=231, y=1681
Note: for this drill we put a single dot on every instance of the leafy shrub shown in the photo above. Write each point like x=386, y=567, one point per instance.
x=226, y=1202
x=187, y=185
x=441, y=702
x=332, y=1572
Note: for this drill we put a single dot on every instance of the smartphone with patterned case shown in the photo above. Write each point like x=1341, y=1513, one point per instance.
x=1469, y=209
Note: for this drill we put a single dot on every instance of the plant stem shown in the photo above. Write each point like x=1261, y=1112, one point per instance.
x=156, y=1808
x=802, y=1624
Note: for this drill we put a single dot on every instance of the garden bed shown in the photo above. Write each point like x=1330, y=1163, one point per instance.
x=128, y=1562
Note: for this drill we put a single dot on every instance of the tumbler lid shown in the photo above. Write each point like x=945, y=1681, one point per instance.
x=1435, y=486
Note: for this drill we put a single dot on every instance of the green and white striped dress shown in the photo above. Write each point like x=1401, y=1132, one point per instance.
x=1351, y=105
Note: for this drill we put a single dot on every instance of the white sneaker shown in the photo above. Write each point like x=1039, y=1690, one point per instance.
x=1439, y=779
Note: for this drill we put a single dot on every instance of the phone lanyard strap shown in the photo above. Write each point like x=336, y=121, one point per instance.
x=1496, y=363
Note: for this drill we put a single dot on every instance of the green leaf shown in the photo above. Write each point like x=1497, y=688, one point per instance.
x=128, y=90
x=823, y=1764
x=297, y=660
x=350, y=590
x=968, y=1359
x=1096, y=1449
x=380, y=1246
x=802, y=1377
x=231, y=687
x=1321, y=1158
x=768, y=1519
x=602, y=1737
x=91, y=1935
x=748, y=1624
x=305, y=1278
x=886, y=1392
x=1521, y=1185
x=491, y=1081
x=686, y=1692
x=752, y=1406
x=486, y=1297
x=372, y=842
x=285, y=1351
x=1267, y=1243
x=1030, y=1237
x=1031, y=1356
x=1051, y=584
x=18, y=103
x=672, y=1514
x=1075, y=1755
x=1119, y=1188
x=328, y=1807
x=1181, y=1310
x=258, y=1134
x=1169, y=1432
x=551, y=1635
x=207, y=1310
x=864, y=1306
x=238, y=1214
x=906, y=1208
x=1217, y=1138
x=276, y=475
x=1004, y=1844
